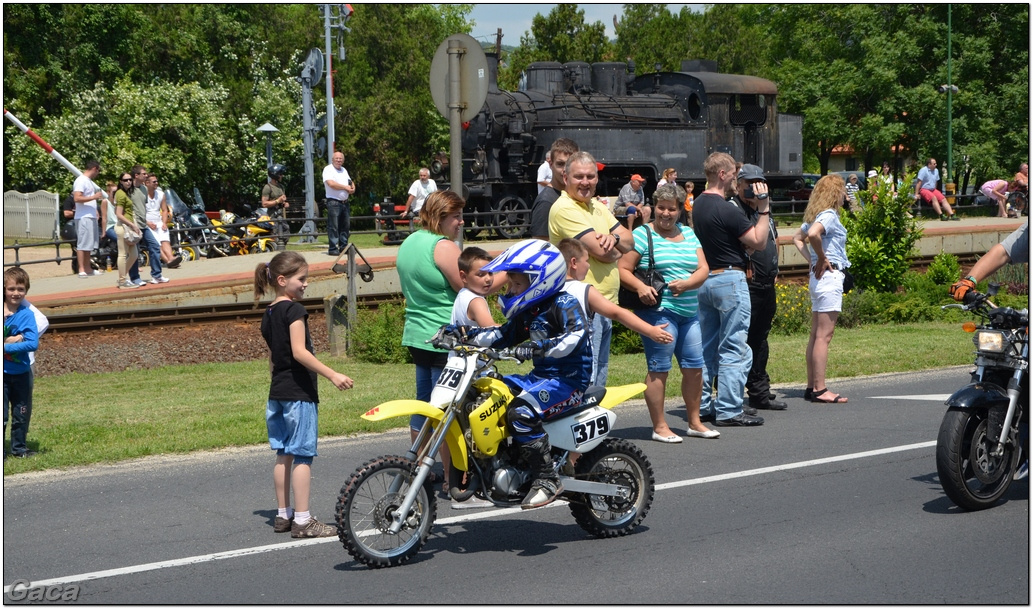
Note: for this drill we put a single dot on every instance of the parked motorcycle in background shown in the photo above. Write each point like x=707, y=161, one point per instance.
x=387, y=508
x=984, y=436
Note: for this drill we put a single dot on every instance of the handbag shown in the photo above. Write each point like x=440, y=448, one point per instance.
x=130, y=236
x=629, y=298
x=848, y=281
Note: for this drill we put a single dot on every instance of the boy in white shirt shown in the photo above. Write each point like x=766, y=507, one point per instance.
x=593, y=301
x=471, y=308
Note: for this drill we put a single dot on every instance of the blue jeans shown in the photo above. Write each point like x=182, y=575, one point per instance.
x=338, y=224
x=18, y=399
x=687, y=346
x=429, y=365
x=153, y=248
x=602, y=332
x=724, y=316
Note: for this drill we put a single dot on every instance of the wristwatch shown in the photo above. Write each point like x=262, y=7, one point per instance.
x=616, y=238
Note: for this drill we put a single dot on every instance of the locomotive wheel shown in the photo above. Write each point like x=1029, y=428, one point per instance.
x=512, y=218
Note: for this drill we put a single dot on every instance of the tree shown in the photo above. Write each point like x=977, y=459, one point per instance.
x=561, y=36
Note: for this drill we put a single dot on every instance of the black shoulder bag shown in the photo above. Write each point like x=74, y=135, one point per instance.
x=629, y=298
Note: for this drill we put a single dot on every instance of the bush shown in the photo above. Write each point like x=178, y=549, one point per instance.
x=624, y=340
x=792, y=310
x=881, y=238
x=376, y=337
x=945, y=269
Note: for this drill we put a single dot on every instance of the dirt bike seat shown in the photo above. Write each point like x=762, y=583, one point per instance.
x=593, y=397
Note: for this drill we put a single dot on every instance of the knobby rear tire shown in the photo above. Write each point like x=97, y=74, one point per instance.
x=615, y=461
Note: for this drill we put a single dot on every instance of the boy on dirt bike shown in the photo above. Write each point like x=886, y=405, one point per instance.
x=548, y=326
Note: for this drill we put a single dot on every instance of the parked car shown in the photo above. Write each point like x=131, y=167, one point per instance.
x=801, y=190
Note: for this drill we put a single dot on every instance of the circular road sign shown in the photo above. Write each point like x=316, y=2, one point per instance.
x=473, y=77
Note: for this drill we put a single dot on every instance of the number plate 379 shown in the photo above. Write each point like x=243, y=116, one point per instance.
x=586, y=431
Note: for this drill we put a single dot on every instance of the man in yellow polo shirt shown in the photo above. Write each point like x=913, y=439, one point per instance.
x=577, y=214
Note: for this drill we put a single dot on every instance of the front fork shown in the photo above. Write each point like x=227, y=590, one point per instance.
x=425, y=457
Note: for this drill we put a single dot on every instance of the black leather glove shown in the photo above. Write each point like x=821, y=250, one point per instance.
x=526, y=351
x=448, y=336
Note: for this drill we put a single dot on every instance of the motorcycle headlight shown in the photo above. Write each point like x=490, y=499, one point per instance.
x=990, y=341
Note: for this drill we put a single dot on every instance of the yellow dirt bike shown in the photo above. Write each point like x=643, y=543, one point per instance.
x=386, y=509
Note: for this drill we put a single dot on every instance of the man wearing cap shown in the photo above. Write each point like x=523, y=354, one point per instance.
x=632, y=201
x=760, y=277
x=725, y=232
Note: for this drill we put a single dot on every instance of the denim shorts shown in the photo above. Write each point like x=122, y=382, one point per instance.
x=687, y=346
x=293, y=428
x=827, y=292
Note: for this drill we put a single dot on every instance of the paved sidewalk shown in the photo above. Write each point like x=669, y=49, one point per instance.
x=235, y=274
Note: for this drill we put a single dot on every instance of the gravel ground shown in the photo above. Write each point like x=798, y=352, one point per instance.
x=159, y=346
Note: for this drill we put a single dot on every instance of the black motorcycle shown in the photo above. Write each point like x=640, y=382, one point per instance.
x=984, y=435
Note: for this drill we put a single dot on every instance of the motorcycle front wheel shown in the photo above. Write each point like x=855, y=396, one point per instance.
x=969, y=473
x=367, y=504
x=615, y=461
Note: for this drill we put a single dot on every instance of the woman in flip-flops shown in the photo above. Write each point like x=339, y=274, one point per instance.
x=826, y=236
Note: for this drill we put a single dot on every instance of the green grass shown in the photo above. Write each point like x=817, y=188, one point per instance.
x=82, y=419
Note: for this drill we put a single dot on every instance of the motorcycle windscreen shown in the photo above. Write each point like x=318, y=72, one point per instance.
x=582, y=431
x=179, y=208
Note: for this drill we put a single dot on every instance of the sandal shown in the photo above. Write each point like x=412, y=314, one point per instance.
x=808, y=394
x=837, y=399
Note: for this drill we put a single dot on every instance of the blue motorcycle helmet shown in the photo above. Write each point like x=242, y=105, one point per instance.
x=544, y=266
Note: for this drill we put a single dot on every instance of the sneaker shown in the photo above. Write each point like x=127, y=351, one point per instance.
x=28, y=453
x=543, y=492
x=282, y=525
x=175, y=262
x=139, y=282
x=473, y=503
x=127, y=284
x=943, y=217
x=954, y=218
x=312, y=528
x=157, y=280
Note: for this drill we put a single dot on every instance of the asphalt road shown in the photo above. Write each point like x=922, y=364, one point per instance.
x=823, y=504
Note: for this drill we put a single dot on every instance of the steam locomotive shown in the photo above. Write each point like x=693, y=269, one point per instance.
x=631, y=124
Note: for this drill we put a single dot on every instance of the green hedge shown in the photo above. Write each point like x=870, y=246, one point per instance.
x=376, y=337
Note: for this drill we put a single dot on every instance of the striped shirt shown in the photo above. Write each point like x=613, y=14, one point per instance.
x=674, y=260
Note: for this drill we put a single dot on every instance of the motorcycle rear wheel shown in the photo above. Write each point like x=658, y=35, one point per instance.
x=615, y=461
x=365, y=507
x=970, y=476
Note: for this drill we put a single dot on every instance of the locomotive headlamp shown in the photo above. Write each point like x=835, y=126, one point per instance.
x=990, y=341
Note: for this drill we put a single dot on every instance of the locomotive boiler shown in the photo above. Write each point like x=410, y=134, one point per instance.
x=631, y=124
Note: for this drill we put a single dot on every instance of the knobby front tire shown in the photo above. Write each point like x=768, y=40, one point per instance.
x=365, y=508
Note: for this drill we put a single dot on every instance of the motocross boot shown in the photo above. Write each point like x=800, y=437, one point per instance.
x=547, y=486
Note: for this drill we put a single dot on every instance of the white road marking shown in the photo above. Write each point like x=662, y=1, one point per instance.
x=928, y=397
x=492, y=513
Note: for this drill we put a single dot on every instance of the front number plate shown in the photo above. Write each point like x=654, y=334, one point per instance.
x=450, y=378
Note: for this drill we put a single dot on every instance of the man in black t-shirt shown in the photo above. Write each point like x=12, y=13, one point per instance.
x=561, y=150
x=724, y=298
x=761, y=281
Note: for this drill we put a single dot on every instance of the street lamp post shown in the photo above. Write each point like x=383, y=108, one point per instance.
x=268, y=130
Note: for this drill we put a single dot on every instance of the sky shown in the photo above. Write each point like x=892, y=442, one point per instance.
x=515, y=19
